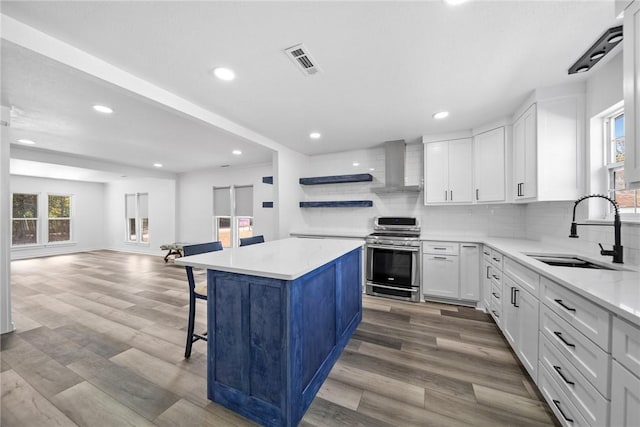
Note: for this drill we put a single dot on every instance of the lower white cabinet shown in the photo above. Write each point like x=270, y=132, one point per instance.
x=560, y=404
x=625, y=374
x=450, y=271
x=520, y=311
x=485, y=278
x=625, y=397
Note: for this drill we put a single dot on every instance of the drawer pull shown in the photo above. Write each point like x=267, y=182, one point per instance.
x=496, y=259
x=496, y=277
x=495, y=314
x=495, y=295
x=559, y=335
x=469, y=246
x=557, y=403
x=440, y=249
x=563, y=305
x=559, y=371
x=440, y=257
x=486, y=253
x=488, y=268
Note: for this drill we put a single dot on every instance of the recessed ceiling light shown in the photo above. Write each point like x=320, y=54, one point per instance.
x=441, y=115
x=356, y=164
x=223, y=73
x=455, y=2
x=315, y=135
x=26, y=142
x=597, y=55
x=582, y=69
x=102, y=109
x=372, y=169
x=157, y=165
x=237, y=152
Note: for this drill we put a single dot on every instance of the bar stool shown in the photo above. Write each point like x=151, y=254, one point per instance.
x=196, y=292
x=246, y=241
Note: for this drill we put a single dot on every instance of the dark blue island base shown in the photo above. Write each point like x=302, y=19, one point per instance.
x=271, y=342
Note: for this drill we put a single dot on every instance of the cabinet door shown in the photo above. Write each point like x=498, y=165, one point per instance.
x=436, y=172
x=525, y=155
x=509, y=313
x=527, y=339
x=460, y=170
x=489, y=166
x=485, y=278
x=625, y=397
x=631, y=58
x=469, y=265
x=440, y=276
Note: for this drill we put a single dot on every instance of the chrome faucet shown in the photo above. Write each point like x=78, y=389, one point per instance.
x=616, y=253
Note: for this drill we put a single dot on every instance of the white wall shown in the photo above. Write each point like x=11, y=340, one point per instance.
x=87, y=205
x=162, y=214
x=288, y=166
x=195, y=200
x=6, y=320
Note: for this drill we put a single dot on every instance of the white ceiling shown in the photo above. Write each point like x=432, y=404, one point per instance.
x=387, y=67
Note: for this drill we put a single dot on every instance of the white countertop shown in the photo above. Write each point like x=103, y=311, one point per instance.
x=285, y=259
x=617, y=291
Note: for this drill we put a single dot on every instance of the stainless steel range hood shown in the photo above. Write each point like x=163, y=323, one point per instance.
x=394, y=160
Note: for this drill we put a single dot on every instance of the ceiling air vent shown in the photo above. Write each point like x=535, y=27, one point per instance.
x=300, y=56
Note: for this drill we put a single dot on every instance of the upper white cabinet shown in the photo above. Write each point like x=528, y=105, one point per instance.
x=548, y=140
x=448, y=176
x=489, y=165
x=631, y=58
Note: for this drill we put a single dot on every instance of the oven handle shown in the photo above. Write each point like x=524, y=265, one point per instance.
x=397, y=248
x=412, y=289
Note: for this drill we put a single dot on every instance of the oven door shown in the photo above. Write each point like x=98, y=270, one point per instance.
x=393, y=271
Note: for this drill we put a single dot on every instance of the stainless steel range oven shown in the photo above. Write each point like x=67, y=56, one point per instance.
x=393, y=258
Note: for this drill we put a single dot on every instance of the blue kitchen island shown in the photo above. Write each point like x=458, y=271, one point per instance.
x=279, y=315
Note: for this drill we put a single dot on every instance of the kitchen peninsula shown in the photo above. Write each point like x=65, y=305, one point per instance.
x=279, y=314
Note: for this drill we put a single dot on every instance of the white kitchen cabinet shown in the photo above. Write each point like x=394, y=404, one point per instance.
x=448, y=176
x=548, y=141
x=450, y=271
x=631, y=77
x=441, y=276
x=625, y=397
x=489, y=165
x=520, y=323
x=524, y=155
x=469, y=265
x=625, y=374
x=485, y=278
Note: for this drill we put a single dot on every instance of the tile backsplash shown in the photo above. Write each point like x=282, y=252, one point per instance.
x=544, y=221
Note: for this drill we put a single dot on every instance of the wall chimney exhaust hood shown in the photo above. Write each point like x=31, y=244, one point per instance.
x=394, y=161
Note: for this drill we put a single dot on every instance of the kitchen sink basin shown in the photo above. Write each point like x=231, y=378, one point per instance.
x=569, y=261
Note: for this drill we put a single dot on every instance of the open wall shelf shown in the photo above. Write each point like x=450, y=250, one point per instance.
x=338, y=204
x=336, y=179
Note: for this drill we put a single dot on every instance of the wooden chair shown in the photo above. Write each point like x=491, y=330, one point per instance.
x=196, y=292
x=246, y=241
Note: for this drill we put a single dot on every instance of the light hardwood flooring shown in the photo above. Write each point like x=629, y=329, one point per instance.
x=100, y=342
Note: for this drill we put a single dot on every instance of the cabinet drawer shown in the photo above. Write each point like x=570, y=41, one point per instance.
x=591, y=404
x=588, y=358
x=564, y=410
x=496, y=276
x=496, y=259
x=496, y=293
x=526, y=278
x=444, y=248
x=626, y=345
x=496, y=311
x=587, y=317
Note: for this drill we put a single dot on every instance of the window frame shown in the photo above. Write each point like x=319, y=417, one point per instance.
x=36, y=219
x=139, y=223
x=612, y=167
x=69, y=218
x=234, y=219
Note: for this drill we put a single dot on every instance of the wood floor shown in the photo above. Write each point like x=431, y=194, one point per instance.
x=100, y=342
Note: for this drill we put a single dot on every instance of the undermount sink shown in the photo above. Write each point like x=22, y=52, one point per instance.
x=569, y=261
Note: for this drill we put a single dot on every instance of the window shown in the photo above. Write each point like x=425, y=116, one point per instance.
x=59, y=218
x=232, y=214
x=614, y=139
x=24, y=219
x=137, y=217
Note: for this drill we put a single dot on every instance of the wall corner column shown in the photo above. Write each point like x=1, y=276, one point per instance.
x=6, y=320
